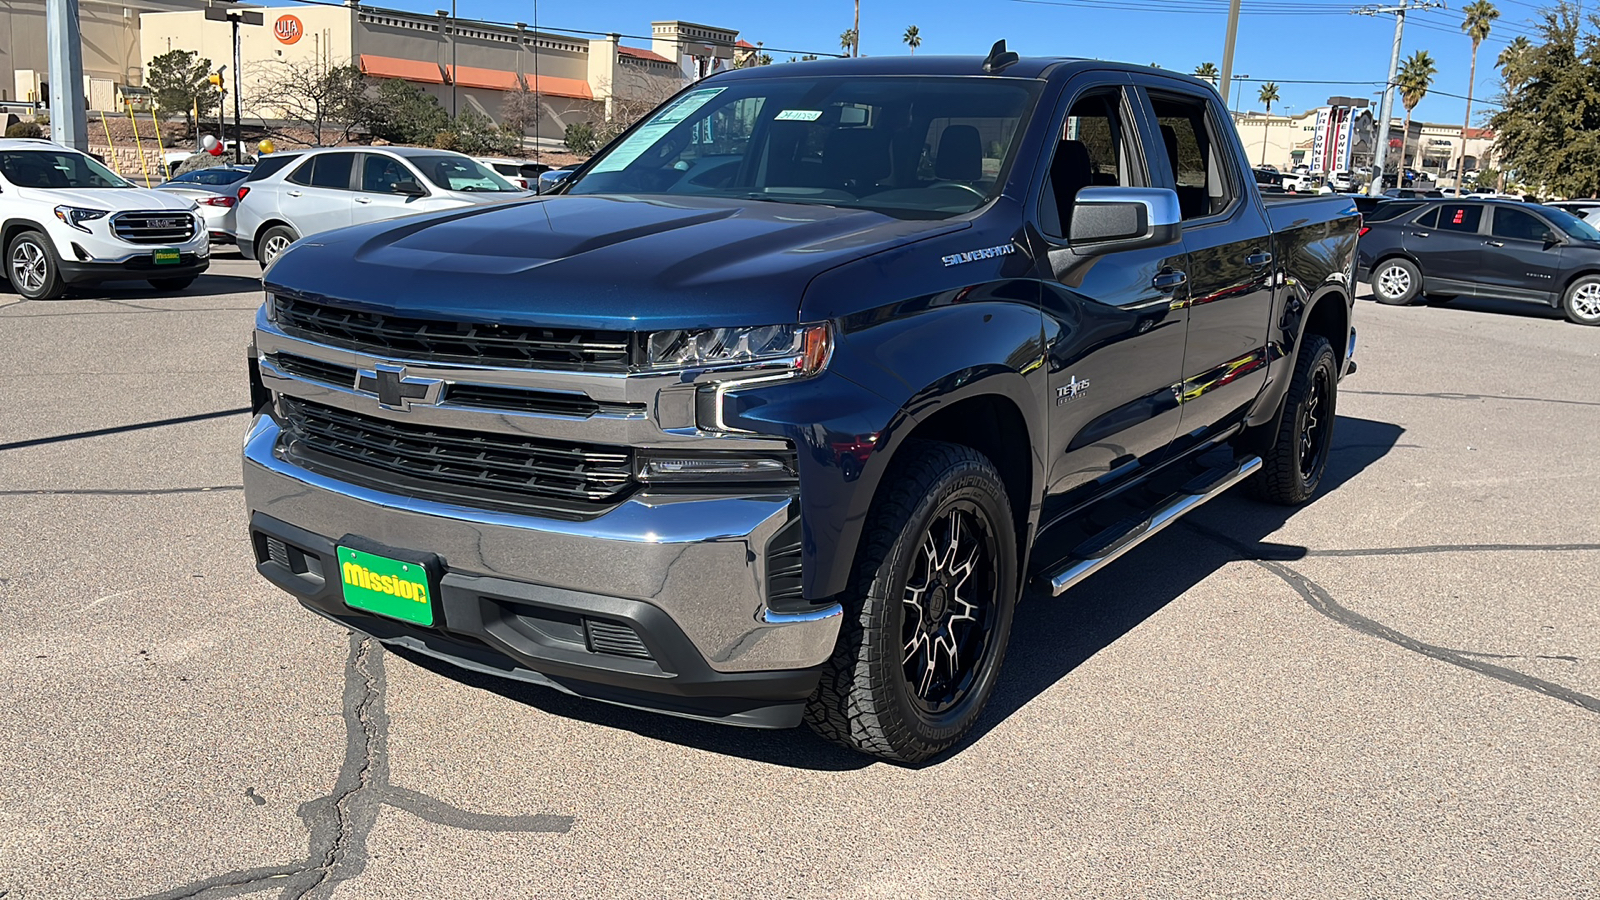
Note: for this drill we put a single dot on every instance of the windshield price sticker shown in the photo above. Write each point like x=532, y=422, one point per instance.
x=662, y=122
x=798, y=115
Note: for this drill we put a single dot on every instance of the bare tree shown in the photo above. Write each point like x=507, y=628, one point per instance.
x=327, y=101
x=519, y=112
x=635, y=96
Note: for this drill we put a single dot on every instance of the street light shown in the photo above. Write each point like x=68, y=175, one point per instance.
x=1236, y=94
x=236, y=17
x=453, y=35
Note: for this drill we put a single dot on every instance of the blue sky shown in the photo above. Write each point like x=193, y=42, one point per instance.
x=1310, y=40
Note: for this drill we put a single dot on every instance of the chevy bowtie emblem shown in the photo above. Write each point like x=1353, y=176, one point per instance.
x=395, y=389
x=1072, y=390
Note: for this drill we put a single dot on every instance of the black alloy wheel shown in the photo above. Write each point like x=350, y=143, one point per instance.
x=927, y=616
x=1293, y=465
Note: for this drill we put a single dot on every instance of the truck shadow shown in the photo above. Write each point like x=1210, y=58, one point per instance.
x=1051, y=637
x=1494, y=306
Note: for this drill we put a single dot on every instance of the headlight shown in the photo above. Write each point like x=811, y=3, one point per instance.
x=76, y=216
x=800, y=349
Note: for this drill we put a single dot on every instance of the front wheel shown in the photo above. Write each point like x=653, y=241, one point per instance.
x=1396, y=282
x=1292, y=468
x=1581, y=302
x=31, y=267
x=928, y=613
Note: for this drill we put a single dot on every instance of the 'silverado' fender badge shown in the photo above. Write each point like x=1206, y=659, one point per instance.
x=956, y=259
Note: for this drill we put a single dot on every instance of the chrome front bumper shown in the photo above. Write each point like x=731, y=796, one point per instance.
x=698, y=558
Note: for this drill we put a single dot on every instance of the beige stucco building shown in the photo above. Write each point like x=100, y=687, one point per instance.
x=1286, y=141
x=112, y=54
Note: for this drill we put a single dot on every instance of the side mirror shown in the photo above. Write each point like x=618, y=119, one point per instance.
x=1108, y=219
x=549, y=181
x=410, y=188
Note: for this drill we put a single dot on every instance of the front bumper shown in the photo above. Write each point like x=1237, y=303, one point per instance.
x=141, y=266
x=519, y=595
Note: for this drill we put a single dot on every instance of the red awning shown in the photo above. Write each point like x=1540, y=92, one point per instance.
x=409, y=69
x=494, y=79
x=553, y=86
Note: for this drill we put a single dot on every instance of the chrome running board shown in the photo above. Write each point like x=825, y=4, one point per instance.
x=1103, y=549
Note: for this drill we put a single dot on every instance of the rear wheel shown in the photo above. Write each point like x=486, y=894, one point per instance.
x=1581, y=302
x=1292, y=468
x=276, y=240
x=1396, y=282
x=172, y=284
x=31, y=267
x=928, y=615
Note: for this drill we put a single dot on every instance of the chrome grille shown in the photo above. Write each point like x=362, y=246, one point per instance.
x=475, y=343
x=154, y=227
x=497, y=471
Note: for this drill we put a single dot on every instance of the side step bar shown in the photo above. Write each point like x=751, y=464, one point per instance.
x=1101, y=551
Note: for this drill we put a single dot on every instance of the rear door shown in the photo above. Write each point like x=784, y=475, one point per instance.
x=1447, y=245
x=318, y=195
x=1113, y=334
x=1521, y=255
x=1229, y=246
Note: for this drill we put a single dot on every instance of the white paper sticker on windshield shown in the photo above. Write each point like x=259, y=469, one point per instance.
x=799, y=115
x=662, y=122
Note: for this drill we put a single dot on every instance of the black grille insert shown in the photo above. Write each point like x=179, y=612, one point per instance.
x=314, y=369
x=784, y=587
x=477, y=343
x=546, y=402
x=468, y=468
x=614, y=638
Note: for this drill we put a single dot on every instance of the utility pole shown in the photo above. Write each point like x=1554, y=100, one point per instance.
x=235, y=17
x=855, y=49
x=1236, y=98
x=1226, y=81
x=1380, y=153
x=69, y=117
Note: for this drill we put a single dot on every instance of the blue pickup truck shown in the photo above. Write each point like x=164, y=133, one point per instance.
x=768, y=413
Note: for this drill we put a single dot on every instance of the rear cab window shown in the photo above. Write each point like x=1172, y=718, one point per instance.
x=1202, y=180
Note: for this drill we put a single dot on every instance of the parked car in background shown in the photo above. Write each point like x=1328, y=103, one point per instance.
x=1412, y=193
x=1493, y=195
x=1485, y=248
x=65, y=219
x=1587, y=210
x=1343, y=182
x=334, y=187
x=521, y=172
x=214, y=191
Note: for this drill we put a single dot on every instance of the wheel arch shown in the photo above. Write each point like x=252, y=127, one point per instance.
x=12, y=227
x=268, y=224
x=1572, y=279
x=1329, y=316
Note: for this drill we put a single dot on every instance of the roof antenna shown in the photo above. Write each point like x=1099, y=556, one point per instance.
x=999, y=57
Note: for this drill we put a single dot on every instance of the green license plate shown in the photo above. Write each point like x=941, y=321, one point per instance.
x=385, y=586
x=168, y=256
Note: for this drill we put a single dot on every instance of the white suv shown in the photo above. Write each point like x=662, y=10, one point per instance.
x=66, y=219
x=335, y=187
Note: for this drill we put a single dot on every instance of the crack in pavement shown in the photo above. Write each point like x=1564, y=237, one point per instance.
x=1319, y=599
x=341, y=822
x=1451, y=395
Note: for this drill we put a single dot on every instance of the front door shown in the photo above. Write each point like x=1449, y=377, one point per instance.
x=1521, y=256
x=1230, y=263
x=377, y=198
x=1114, y=334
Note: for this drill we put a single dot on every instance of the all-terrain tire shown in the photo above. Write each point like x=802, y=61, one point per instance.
x=32, y=268
x=1396, y=282
x=866, y=700
x=1293, y=465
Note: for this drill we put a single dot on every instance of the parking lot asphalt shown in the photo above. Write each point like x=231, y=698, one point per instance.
x=1393, y=691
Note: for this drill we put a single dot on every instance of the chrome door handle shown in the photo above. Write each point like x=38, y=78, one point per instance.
x=1257, y=260
x=1494, y=243
x=363, y=199
x=1169, y=280
x=294, y=193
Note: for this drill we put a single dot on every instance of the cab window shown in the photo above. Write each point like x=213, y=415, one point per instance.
x=1192, y=153
x=1091, y=151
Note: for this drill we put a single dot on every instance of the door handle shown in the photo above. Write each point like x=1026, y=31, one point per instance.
x=1257, y=260
x=294, y=193
x=1494, y=243
x=1169, y=280
x=363, y=199
x=1421, y=234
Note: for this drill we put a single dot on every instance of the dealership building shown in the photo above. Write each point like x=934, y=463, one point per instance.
x=466, y=64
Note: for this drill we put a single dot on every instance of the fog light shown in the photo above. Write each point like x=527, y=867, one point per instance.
x=741, y=467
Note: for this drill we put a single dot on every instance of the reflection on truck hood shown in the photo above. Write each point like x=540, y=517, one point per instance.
x=594, y=261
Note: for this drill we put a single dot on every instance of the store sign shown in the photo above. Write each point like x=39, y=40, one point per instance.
x=288, y=29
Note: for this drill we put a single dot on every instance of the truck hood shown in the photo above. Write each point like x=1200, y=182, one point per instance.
x=113, y=199
x=613, y=262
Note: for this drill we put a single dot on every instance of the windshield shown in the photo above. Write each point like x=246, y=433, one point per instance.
x=1572, y=225
x=914, y=147
x=56, y=169
x=458, y=173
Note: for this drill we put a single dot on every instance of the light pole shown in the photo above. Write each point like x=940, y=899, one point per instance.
x=69, y=122
x=1380, y=152
x=1236, y=96
x=235, y=17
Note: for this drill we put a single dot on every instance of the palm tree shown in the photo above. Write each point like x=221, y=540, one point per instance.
x=847, y=41
x=1415, y=77
x=1269, y=96
x=1478, y=16
x=1509, y=58
x=1208, y=71
x=913, y=39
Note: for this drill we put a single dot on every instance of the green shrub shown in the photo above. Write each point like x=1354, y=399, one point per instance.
x=581, y=139
x=25, y=130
